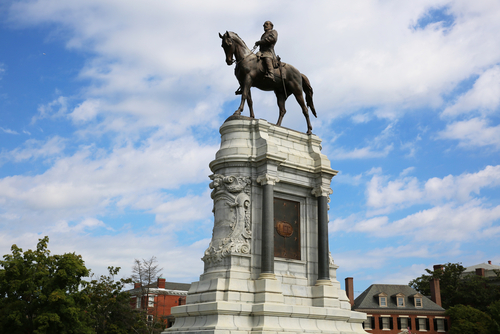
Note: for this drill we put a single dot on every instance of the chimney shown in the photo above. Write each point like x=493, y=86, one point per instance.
x=349, y=289
x=489, y=262
x=137, y=285
x=480, y=272
x=438, y=267
x=161, y=283
x=435, y=291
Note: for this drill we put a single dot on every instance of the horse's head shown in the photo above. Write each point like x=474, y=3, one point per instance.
x=228, y=46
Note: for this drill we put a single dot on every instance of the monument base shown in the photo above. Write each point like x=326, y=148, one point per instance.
x=233, y=295
x=285, y=304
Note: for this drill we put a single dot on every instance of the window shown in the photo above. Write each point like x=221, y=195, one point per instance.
x=385, y=322
x=151, y=302
x=418, y=302
x=150, y=318
x=422, y=324
x=369, y=323
x=401, y=302
x=440, y=324
x=403, y=323
x=382, y=299
x=137, y=302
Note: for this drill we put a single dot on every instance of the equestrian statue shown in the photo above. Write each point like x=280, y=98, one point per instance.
x=266, y=72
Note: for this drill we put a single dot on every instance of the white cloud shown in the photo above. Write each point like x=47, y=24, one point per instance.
x=9, y=131
x=483, y=98
x=57, y=108
x=385, y=196
x=471, y=221
x=90, y=182
x=86, y=111
x=35, y=149
x=362, y=153
x=461, y=223
x=472, y=133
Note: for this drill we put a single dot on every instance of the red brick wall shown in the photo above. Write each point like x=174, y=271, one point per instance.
x=163, y=304
x=395, y=330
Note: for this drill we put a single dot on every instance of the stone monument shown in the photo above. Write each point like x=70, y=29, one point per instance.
x=268, y=268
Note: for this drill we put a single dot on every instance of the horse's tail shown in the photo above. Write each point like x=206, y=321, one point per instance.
x=306, y=86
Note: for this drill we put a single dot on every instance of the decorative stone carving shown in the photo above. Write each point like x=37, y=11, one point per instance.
x=267, y=179
x=232, y=224
x=322, y=191
x=330, y=258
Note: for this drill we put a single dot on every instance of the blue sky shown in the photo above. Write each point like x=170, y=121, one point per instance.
x=109, y=117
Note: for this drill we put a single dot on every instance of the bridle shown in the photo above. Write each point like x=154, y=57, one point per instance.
x=251, y=53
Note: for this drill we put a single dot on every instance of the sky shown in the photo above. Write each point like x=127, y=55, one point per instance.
x=110, y=113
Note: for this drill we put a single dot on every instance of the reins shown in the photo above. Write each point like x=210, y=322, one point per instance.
x=251, y=53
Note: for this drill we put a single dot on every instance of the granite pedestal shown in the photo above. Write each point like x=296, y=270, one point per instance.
x=268, y=268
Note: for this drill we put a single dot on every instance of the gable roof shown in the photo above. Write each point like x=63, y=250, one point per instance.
x=369, y=298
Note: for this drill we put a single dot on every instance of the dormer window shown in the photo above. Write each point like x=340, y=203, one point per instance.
x=418, y=300
x=400, y=300
x=382, y=299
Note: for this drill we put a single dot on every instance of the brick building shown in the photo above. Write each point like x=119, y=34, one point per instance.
x=158, y=298
x=391, y=309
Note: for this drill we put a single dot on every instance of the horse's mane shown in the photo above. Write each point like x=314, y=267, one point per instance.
x=234, y=35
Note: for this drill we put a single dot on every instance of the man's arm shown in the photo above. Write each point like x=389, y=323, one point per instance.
x=270, y=39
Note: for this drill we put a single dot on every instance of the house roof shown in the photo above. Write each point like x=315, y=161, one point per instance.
x=171, y=288
x=486, y=266
x=369, y=299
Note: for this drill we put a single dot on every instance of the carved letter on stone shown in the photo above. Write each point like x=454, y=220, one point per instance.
x=232, y=225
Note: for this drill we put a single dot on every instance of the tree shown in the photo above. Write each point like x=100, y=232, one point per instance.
x=146, y=272
x=473, y=302
x=39, y=292
x=109, y=308
x=457, y=288
x=494, y=313
x=468, y=320
x=42, y=293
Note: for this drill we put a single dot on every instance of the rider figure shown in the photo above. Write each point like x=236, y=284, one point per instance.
x=266, y=51
x=266, y=48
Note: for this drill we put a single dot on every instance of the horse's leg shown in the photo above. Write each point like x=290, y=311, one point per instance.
x=280, y=96
x=250, y=104
x=300, y=99
x=245, y=90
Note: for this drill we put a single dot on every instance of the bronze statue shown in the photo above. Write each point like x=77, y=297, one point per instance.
x=251, y=72
x=266, y=48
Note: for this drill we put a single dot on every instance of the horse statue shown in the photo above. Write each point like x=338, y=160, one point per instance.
x=250, y=73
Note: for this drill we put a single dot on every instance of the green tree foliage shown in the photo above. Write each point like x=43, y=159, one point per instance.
x=39, y=292
x=109, y=308
x=468, y=320
x=42, y=293
x=494, y=312
x=472, y=302
x=456, y=288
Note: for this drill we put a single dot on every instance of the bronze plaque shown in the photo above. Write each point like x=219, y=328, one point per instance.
x=286, y=229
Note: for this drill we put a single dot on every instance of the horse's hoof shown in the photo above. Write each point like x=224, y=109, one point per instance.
x=237, y=113
x=309, y=132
